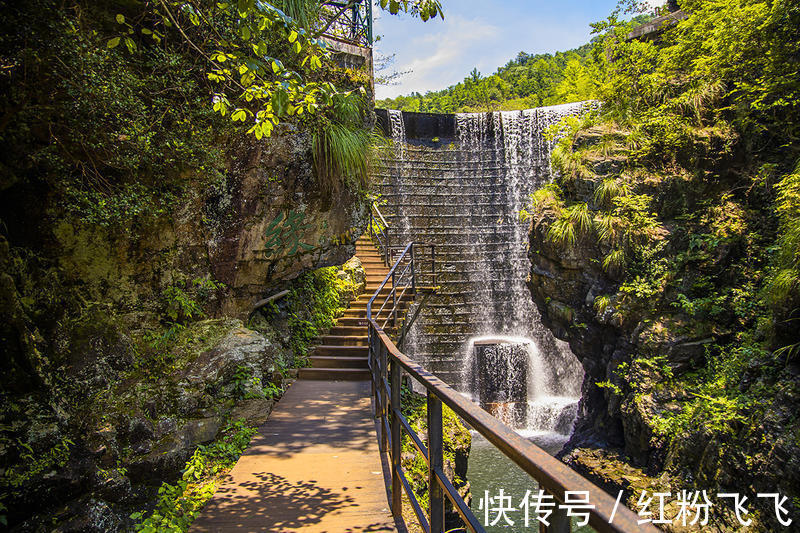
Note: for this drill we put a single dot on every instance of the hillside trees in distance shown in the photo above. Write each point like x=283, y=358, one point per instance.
x=524, y=82
x=527, y=81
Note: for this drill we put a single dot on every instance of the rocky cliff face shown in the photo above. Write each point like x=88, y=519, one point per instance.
x=138, y=227
x=120, y=411
x=655, y=324
x=263, y=223
x=109, y=382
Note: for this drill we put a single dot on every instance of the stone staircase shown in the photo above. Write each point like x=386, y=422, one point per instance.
x=342, y=352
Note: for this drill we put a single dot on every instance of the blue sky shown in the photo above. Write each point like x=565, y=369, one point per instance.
x=477, y=33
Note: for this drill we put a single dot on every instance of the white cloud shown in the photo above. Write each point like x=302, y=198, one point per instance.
x=442, y=53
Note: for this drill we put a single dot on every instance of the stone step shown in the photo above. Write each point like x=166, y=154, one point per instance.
x=364, y=298
x=343, y=340
x=334, y=374
x=351, y=322
x=341, y=329
x=341, y=351
x=370, y=292
x=324, y=361
x=361, y=312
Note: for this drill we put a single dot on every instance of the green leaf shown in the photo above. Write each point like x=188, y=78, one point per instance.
x=292, y=36
x=113, y=43
x=120, y=18
x=280, y=102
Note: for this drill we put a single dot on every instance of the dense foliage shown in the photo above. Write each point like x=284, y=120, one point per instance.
x=126, y=154
x=110, y=106
x=685, y=190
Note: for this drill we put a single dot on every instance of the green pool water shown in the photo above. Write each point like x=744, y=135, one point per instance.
x=490, y=470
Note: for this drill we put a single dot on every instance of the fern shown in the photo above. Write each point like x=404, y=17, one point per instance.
x=562, y=232
x=609, y=227
x=608, y=189
x=615, y=261
x=601, y=303
x=580, y=217
x=784, y=285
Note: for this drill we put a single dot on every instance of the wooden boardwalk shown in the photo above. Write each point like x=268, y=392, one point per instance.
x=313, y=466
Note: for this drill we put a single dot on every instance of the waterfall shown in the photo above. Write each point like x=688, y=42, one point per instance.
x=465, y=194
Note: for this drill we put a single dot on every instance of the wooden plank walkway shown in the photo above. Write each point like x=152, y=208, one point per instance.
x=313, y=466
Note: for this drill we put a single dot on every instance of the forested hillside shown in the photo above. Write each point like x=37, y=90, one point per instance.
x=525, y=82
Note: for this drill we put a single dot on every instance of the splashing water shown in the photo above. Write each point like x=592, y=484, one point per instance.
x=515, y=382
x=466, y=198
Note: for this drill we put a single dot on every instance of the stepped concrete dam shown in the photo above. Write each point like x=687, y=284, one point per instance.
x=459, y=181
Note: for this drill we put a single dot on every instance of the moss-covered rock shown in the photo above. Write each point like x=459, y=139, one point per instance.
x=658, y=298
x=135, y=424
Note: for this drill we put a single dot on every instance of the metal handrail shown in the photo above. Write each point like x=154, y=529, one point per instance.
x=379, y=232
x=387, y=364
x=378, y=211
x=403, y=276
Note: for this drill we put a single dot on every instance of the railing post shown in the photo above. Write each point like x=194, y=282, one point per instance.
x=388, y=247
x=371, y=338
x=384, y=394
x=394, y=302
x=433, y=264
x=559, y=522
x=413, y=274
x=397, y=501
x=435, y=462
x=369, y=23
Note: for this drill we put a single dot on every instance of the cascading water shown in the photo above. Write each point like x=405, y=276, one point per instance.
x=466, y=196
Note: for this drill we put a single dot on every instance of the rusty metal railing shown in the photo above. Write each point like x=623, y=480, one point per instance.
x=388, y=364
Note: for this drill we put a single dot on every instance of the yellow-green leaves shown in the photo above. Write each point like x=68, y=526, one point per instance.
x=120, y=18
x=424, y=9
x=113, y=43
x=221, y=104
x=257, y=72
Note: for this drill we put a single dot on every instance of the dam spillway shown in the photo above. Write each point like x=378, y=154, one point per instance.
x=459, y=181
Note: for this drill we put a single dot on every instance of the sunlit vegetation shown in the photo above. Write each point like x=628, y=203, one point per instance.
x=692, y=213
x=179, y=503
